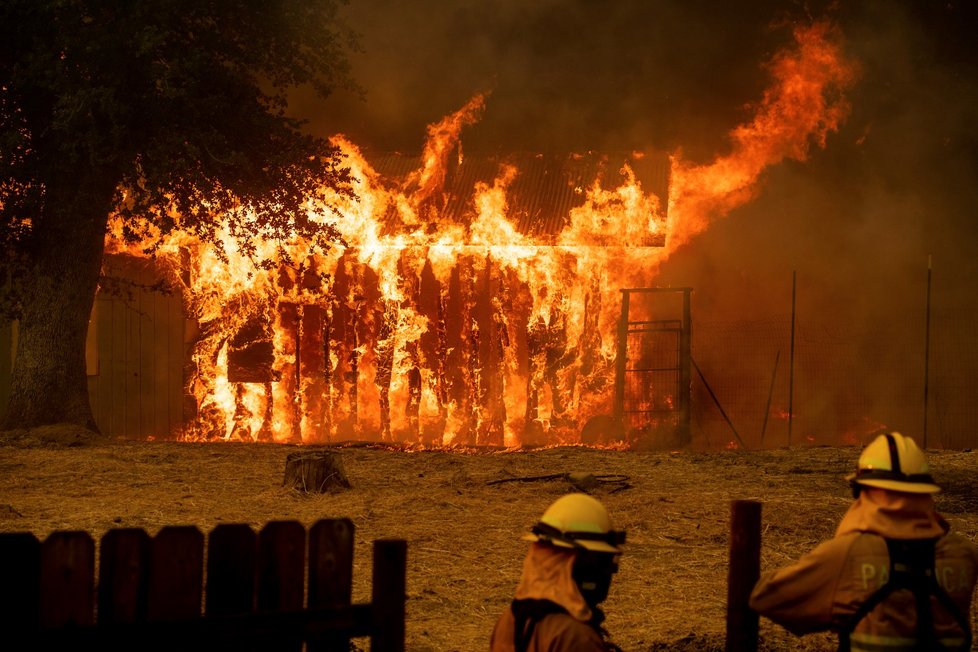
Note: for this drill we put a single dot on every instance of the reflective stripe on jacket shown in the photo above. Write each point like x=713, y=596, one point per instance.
x=826, y=586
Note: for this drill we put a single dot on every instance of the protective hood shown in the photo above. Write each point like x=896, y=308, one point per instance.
x=547, y=575
x=896, y=515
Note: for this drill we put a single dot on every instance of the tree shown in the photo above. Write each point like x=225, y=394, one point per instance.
x=168, y=113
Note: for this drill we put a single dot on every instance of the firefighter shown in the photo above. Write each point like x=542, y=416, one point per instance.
x=566, y=575
x=893, y=578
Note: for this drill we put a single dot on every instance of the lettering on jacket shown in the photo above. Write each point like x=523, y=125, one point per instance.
x=953, y=579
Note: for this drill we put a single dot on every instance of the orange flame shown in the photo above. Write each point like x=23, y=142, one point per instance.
x=803, y=105
x=422, y=328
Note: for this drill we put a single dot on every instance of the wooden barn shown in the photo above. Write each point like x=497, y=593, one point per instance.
x=141, y=335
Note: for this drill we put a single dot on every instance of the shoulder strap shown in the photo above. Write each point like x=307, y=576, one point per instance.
x=911, y=568
x=597, y=618
x=526, y=614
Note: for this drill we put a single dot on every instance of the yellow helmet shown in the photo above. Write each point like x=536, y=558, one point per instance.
x=577, y=521
x=895, y=462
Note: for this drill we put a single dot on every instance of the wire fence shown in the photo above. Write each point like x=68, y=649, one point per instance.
x=839, y=386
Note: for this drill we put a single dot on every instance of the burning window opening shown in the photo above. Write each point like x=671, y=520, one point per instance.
x=474, y=300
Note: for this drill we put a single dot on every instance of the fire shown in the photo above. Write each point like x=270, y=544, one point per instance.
x=800, y=108
x=859, y=434
x=426, y=327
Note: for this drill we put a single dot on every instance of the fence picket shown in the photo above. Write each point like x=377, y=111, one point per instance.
x=67, y=579
x=149, y=589
x=330, y=573
x=20, y=568
x=176, y=570
x=388, y=595
x=232, y=558
x=281, y=570
x=123, y=568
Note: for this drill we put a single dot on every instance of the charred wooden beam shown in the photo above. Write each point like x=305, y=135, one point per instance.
x=384, y=355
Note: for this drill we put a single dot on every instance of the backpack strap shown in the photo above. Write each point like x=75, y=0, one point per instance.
x=526, y=614
x=912, y=569
x=597, y=618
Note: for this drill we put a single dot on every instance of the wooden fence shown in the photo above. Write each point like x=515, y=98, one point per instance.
x=154, y=593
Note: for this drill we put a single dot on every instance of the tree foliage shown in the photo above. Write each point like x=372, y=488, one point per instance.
x=171, y=115
x=172, y=111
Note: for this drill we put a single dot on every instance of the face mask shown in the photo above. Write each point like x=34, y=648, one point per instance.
x=592, y=573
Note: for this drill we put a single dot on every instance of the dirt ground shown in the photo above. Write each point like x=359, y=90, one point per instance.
x=463, y=528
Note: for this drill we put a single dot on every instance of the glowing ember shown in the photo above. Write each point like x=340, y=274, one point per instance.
x=445, y=325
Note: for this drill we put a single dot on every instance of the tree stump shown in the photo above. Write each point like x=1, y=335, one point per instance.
x=315, y=472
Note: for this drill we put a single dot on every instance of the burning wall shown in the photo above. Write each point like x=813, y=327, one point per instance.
x=488, y=342
x=472, y=300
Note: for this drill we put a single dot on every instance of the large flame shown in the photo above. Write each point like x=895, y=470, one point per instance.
x=424, y=328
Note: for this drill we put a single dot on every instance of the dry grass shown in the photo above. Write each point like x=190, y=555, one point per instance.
x=464, y=552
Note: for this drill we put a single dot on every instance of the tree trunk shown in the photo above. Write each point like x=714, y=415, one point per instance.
x=49, y=383
x=315, y=472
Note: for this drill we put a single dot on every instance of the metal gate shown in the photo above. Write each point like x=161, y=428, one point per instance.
x=653, y=366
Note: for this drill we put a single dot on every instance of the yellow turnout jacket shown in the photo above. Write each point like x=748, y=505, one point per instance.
x=547, y=575
x=824, y=588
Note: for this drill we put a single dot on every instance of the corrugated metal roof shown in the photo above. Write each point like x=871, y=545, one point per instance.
x=546, y=187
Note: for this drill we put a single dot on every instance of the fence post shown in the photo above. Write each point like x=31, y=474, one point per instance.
x=389, y=595
x=743, y=571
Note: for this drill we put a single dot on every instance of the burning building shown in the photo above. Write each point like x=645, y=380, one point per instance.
x=469, y=299
x=489, y=326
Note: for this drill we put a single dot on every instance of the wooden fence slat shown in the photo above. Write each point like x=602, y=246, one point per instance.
x=281, y=566
x=150, y=589
x=20, y=568
x=123, y=569
x=330, y=573
x=281, y=570
x=176, y=571
x=67, y=579
x=232, y=557
x=389, y=591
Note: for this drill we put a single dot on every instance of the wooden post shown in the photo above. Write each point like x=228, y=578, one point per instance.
x=791, y=362
x=621, y=358
x=389, y=595
x=744, y=569
x=927, y=351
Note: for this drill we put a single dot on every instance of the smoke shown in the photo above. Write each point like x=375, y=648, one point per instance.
x=565, y=75
x=855, y=223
